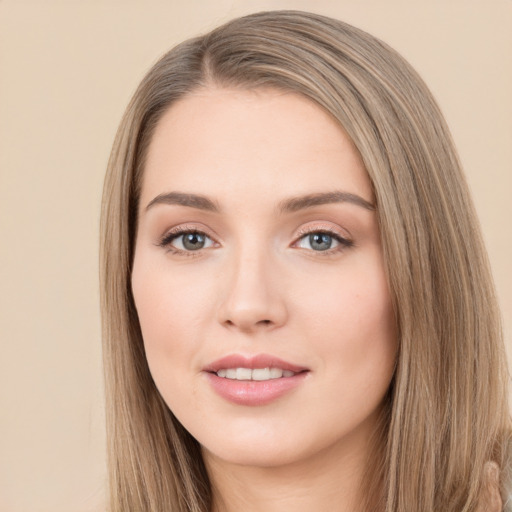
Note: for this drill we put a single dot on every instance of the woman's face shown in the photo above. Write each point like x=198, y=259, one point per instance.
x=259, y=279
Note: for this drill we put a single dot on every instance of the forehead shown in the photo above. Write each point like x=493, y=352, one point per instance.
x=216, y=138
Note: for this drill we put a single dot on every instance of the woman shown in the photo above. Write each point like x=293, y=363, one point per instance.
x=298, y=310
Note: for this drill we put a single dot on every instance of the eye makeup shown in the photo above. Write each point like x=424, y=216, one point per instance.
x=189, y=240
x=325, y=242
x=186, y=240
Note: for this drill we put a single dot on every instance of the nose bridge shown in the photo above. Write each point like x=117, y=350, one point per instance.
x=252, y=296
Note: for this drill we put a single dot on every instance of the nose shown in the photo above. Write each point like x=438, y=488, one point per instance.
x=253, y=298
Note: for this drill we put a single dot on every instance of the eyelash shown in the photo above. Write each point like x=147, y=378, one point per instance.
x=343, y=243
x=174, y=234
x=171, y=236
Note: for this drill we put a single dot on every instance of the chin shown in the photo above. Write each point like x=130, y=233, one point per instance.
x=259, y=447
x=254, y=456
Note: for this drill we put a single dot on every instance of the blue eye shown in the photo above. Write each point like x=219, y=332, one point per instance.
x=322, y=241
x=187, y=241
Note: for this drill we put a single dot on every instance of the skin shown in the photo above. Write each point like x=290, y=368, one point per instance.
x=260, y=286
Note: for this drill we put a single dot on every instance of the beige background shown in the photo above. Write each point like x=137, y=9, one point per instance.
x=67, y=70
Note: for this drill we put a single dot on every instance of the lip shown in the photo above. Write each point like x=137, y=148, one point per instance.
x=252, y=362
x=253, y=393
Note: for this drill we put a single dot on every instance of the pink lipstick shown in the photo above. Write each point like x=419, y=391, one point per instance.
x=252, y=381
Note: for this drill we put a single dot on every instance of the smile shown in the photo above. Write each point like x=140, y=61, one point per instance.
x=258, y=374
x=254, y=380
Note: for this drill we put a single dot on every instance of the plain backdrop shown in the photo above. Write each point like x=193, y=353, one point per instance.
x=67, y=71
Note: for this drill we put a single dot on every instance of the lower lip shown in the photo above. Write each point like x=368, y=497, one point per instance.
x=253, y=392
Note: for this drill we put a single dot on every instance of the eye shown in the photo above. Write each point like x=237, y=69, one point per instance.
x=186, y=241
x=322, y=241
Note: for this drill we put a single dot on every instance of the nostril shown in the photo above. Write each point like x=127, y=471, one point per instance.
x=248, y=325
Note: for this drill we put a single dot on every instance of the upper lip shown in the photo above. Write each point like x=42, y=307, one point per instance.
x=252, y=362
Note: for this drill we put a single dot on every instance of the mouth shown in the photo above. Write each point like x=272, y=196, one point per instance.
x=258, y=367
x=255, y=380
x=258, y=374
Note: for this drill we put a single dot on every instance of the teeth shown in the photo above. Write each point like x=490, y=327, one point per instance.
x=276, y=373
x=259, y=374
x=243, y=374
x=263, y=374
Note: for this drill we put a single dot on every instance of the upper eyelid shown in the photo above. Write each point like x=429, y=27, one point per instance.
x=325, y=228
x=343, y=240
x=182, y=229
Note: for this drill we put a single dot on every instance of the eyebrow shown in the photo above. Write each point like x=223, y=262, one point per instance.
x=182, y=199
x=293, y=204
x=309, y=201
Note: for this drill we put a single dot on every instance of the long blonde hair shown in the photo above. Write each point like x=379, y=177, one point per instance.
x=447, y=413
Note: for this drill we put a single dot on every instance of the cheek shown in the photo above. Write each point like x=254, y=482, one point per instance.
x=351, y=319
x=355, y=299
x=166, y=321
x=173, y=307
x=158, y=308
x=169, y=305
